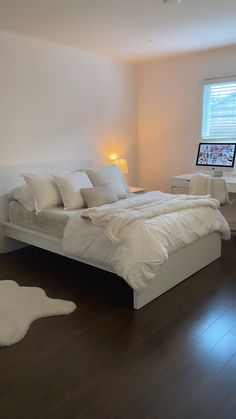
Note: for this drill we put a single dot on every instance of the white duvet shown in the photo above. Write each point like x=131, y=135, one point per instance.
x=134, y=236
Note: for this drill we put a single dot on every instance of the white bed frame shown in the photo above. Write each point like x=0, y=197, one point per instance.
x=179, y=266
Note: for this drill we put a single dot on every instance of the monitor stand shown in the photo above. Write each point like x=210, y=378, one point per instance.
x=217, y=172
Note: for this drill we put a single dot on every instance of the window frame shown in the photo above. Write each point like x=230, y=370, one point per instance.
x=205, y=82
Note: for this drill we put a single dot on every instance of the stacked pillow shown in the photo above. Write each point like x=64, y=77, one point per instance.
x=111, y=175
x=44, y=191
x=70, y=185
x=98, y=195
x=91, y=187
x=23, y=195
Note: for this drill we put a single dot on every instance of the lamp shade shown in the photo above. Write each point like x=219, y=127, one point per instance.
x=122, y=165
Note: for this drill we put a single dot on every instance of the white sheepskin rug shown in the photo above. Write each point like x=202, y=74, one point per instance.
x=20, y=306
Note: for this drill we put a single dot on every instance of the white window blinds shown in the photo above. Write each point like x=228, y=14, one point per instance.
x=219, y=111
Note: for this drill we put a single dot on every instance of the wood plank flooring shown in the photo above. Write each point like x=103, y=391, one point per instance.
x=175, y=358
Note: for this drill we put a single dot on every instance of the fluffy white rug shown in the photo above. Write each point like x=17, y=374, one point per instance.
x=20, y=306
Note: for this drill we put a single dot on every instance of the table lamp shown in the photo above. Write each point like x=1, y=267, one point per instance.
x=122, y=164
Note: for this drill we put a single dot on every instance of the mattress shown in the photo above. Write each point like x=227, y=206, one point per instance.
x=51, y=221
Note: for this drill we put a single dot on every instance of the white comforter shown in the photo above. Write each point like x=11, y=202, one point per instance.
x=134, y=236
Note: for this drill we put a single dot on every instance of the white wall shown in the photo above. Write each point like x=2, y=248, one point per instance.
x=59, y=103
x=169, y=112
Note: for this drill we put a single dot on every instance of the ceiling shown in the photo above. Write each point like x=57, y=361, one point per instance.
x=132, y=30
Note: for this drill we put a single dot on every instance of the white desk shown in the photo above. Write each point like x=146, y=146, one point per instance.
x=182, y=181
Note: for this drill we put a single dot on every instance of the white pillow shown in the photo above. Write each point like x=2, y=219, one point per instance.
x=23, y=195
x=69, y=185
x=109, y=174
x=98, y=195
x=44, y=190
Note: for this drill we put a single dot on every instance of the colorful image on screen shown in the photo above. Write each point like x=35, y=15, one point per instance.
x=216, y=155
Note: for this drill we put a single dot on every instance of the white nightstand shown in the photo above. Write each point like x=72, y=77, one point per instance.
x=136, y=189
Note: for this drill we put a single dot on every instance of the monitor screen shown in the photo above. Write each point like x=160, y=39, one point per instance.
x=216, y=154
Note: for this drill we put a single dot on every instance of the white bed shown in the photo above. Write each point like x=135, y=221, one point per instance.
x=179, y=266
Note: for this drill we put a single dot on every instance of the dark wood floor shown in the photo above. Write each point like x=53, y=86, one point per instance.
x=175, y=358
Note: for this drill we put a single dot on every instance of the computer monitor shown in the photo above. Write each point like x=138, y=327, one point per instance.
x=216, y=154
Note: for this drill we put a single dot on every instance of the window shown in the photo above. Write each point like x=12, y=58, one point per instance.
x=219, y=110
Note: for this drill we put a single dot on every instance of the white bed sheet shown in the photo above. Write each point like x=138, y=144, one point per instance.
x=51, y=221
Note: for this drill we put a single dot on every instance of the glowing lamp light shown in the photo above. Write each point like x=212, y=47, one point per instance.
x=113, y=156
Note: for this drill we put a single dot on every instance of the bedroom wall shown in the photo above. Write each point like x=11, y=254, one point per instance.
x=169, y=112
x=60, y=103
